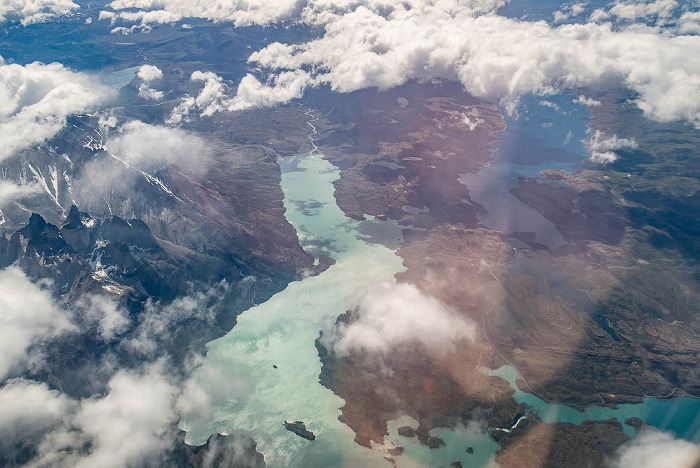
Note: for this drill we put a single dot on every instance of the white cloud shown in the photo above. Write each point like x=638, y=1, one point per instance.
x=208, y=388
x=568, y=11
x=211, y=99
x=654, y=449
x=9, y=191
x=586, y=101
x=148, y=17
x=138, y=150
x=378, y=43
x=602, y=147
x=632, y=10
x=148, y=73
x=240, y=12
x=150, y=147
x=126, y=427
x=36, y=99
x=495, y=57
x=157, y=320
x=569, y=137
x=668, y=17
x=282, y=88
x=181, y=111
x=28, y=315
x=390, y=314
x=34, y=11
x=111, y=319
x=215, y=95
x=551, y=105
x=128, y=424
x=107, y=15
x=27, y=409
x=689, y=23
x=146, y=92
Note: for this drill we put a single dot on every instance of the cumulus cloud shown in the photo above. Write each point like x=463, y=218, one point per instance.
x=281, y=88
x=148, y=74
x=586, y=101
x=133, y=422
x=211, y=99
x=34, y=11
x=631, y=10
x=390, y=314
x=181, y=111
x=134, y=151
x=146, y=92
x=215, y=96
x=602, y=147
x=207, y=389
x=36, y=99
x=240, y=12
x=655, y=449
x=28, y=315
x=568, y=11
x=689, y=23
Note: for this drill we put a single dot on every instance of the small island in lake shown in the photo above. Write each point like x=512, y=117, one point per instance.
x=299, y=428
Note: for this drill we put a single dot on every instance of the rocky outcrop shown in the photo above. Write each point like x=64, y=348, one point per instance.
x=299, y=428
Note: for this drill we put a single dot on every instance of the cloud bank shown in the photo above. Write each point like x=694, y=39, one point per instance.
x=382, y=44
x=496, y=57
x=36, y=99
x=391, y=314
x=240, y=12
x=34, y=11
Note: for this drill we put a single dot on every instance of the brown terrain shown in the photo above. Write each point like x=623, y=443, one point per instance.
x=437, y=392
x=403, y=163
x=534, y=443
x=610, y=317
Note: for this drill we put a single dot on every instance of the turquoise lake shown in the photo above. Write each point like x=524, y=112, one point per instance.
x=239, y=389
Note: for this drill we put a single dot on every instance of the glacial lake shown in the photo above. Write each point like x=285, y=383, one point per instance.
x=265, y=371
x=120, y=78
